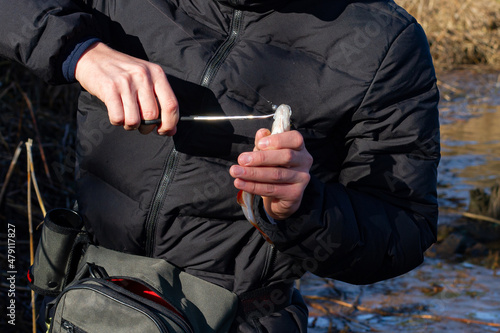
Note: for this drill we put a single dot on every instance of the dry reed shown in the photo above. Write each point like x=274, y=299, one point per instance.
x=31, y=108
x=460, y=32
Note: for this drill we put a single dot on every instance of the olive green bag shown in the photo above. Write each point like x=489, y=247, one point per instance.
x=110, y=291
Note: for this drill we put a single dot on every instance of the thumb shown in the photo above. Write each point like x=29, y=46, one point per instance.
x=263, y=132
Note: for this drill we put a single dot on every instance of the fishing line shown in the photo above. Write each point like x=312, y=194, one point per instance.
x=224, y=63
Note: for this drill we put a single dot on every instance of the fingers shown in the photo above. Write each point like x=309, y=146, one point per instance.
x=286, y=158
x=271, y=172
x=261, y=133
x=285, y=150
x=271, y=175
x=131, y=110
x=280, y=200
x=131, y=88
x=148, y=106
x=169, y=107
x=128, y=101
x=290, y=140
x=277, y=170
x=157, y=99
x=114, y=104
x=288, y=192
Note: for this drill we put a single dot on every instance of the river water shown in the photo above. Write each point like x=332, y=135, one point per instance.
x=438, y=296
x=470, y=135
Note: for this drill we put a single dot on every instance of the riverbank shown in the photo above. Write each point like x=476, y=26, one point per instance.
x=436, y=297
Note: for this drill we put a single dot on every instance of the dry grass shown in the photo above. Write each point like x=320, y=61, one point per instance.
x=29, y=108
x=460, y=32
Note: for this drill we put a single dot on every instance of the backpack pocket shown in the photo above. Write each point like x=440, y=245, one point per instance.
x=114, y=305
x=58, y=252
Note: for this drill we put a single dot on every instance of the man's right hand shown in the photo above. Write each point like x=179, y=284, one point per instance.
x=132, y=89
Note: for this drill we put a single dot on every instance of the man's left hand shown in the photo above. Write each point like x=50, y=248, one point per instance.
x=277, y=170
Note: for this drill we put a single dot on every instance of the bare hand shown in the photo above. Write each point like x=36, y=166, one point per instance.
x=277, y=170
x=131, y=88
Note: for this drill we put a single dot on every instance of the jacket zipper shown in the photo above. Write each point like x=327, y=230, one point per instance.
x=271, y=256
x=158, y=199
x=209, y=73
x=222, y=52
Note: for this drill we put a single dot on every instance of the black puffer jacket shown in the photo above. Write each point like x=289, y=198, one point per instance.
x=361, y=84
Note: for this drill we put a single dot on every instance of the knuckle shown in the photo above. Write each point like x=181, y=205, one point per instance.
x=288, y=156
x=122, y=82
x=269, y=189
x=253, y=188
x=142, y=71
x=287, y=205
x=278, y=141
x=308, y=160
x=149, y=114
x=294, y=193
x=156, y=70
x=116, y=122
x=305, y=177
x=297, y=138
x=132, y=122
x=170, y=105
x=250, y=172
x=112, y=85
x=261, y=157
x=279, y=174
x=116, y=119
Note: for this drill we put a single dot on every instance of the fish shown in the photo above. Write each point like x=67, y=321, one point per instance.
x=281, y=123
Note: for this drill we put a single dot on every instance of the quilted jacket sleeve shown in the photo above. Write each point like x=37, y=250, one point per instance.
x=41, y=34
x=381, y=216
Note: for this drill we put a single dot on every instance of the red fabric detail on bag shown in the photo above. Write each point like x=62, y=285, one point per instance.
x=143, y=291
x=30, y=276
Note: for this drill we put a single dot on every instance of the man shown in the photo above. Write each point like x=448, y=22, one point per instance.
x=350, y=193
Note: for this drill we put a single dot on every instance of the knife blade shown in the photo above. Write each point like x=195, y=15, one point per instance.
x=210, y=118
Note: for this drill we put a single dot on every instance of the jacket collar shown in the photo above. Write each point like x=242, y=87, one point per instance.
x=251, y=3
